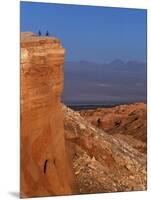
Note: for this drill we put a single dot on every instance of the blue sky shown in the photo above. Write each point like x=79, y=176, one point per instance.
x=90, y=33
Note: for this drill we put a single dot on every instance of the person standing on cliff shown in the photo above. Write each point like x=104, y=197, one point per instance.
x=39, y=33
x=47, y=33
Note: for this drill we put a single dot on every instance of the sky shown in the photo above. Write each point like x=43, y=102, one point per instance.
x=90, y=33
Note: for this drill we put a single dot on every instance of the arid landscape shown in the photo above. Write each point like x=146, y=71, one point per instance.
x=109, y=156
x=66, y=152
x=127, y=122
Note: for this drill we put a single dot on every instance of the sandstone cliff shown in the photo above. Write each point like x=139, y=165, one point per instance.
x=45, y=169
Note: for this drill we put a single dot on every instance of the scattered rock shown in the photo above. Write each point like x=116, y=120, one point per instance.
x=109, y=164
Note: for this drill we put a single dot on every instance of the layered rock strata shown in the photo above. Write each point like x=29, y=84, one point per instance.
x=45, y=169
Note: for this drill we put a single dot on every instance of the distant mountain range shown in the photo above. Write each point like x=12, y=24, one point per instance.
x=115, y=82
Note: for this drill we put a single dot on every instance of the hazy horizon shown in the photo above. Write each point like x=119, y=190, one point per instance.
x=114, y=82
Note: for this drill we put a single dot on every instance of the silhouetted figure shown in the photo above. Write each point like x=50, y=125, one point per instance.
x=47, y=33
x=98, y=123
x=39, y=33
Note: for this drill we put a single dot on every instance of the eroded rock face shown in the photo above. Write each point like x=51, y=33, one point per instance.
x=127, y=122
x=102, y=162
x=45, y=169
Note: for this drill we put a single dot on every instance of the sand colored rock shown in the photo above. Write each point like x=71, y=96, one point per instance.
x=102, y=162
x=45, y=168
x=127, y=122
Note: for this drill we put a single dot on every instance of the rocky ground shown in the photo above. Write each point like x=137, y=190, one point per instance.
x=127, y=122
x=104, y=162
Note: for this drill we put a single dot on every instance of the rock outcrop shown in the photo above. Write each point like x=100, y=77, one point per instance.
x=45, y=169
x=102, y=162
x=126, y=122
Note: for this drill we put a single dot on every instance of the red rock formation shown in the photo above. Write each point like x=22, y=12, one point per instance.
x=45, y=169
x=127, y=122
x=102, y=162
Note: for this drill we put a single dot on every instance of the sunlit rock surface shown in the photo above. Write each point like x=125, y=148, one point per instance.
x=45, y=169
x=102, y=162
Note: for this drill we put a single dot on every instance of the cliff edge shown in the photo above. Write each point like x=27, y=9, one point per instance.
x=45, y=169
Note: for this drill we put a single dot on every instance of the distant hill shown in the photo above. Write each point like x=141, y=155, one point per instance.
x=115, y=82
